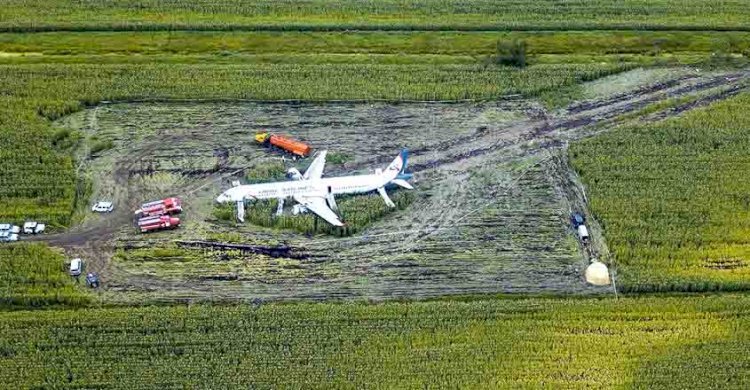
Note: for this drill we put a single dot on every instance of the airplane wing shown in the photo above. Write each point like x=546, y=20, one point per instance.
x=318, y=205
x=315, y=170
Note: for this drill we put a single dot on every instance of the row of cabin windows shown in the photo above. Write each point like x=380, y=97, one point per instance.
x=288, y=190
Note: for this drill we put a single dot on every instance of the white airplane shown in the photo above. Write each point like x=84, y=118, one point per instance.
x=314, y=193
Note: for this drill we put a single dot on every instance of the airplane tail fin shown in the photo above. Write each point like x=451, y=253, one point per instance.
x=405, y=158
x=398, y=166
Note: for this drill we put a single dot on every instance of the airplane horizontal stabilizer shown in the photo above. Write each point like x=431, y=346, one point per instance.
x=402, y=183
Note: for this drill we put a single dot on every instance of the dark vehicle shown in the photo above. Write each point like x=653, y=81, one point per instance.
x=92, y=280
x=577, y=219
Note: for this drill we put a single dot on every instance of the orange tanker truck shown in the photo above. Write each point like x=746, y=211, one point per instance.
x=287, y=144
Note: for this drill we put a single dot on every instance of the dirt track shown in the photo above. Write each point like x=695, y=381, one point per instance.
x=450, y=245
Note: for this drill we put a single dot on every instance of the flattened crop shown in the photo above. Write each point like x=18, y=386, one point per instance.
x=482, y=219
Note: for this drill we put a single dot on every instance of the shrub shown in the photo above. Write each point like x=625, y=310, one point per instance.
x=511, y=53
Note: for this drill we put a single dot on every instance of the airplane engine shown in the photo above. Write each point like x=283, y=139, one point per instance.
x=299, y=209
x=293, y=174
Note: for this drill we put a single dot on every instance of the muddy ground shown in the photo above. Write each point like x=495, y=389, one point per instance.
x=494, y=193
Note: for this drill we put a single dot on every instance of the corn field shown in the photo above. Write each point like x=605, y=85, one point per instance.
x=674, y=199
x=489, y=214
x=387, y=47
x=55, y=89
x=678, y=342
x=33, y=276
x=149, y=15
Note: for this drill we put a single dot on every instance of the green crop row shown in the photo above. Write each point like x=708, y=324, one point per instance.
x=55, y=90
x=679, y=342
x=357, y=212
x=34, y=276
x=674, y=199
x=38, y=180
x=381, y=43
x=315, y=15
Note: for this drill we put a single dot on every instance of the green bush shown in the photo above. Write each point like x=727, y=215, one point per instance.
x=338, y=158
x=510, y=53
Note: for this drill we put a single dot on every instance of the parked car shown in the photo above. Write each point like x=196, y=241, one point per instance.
x=577, y=219
x=6, y=227
x=7, y=236
x=103, y=207
x=92, y=280
x=33, y=227
x=76, y=267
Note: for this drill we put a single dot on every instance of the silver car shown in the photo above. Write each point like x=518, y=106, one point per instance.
x=76, y=267
x=6, y=227
x=7, y=236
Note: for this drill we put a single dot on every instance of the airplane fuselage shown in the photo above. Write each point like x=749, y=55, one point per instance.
x=280, y=190
x=314, y=193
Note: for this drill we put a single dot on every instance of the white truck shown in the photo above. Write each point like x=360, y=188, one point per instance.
x=583, y=234
x=33, y=227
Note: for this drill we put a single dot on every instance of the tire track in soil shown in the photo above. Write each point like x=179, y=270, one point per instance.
x=701, y=102
x=583, y=121
x=95, y=241
x=577, y=108
x=620, y=106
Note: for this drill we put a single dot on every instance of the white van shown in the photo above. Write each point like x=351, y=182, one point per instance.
x=583, y=234
x=33, y=227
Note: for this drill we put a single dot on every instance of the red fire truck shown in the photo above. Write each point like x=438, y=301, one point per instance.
x=150, y=224
x=160, y=207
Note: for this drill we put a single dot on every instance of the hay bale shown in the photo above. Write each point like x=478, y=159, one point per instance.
x=597, y=273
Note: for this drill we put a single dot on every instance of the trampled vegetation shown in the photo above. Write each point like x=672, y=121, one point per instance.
x=24, y=15
x=515, y=240
x=674, y=199
x=634, y=342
